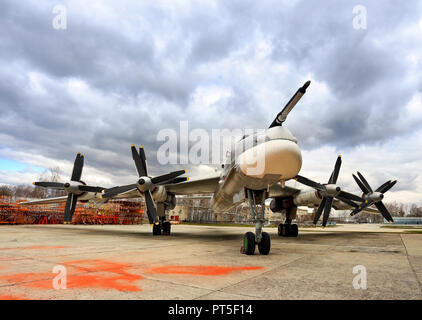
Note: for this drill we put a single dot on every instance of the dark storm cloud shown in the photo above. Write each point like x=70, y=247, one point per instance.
x=364, y=70
x=107, y=84
x=102, y=55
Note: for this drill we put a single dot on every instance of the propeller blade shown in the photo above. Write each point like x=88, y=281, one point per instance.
x=384, y=190
x=361, y=185
x=349, y=196
x=347, y=201
x=310, y=183
x=327, y=210
x=331, y=177
x=319, y=211
x=383, y=186
x=51, y=185
x=365, y=182
x=117, y=190
x=91, y=189
x=383, y=210
x=77, y=167
x=67, y=207
x=151, y=210
x=176, y=180
x=70, y=207
x=334, y=175
x=361, y=207
x=143, y=159
x=138, y=162
x=167, y=176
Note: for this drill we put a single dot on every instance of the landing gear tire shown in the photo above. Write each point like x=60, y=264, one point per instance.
x=288, y=230
x=294, y=230
x=280, y=229
x=249, y=243
x=265, y=245
x=166, y=228
x=156, y=230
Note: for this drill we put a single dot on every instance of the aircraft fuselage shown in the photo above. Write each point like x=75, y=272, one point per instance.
x=257, y=162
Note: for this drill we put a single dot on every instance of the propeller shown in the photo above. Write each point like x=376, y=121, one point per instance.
x=373, y=197
x=145, y=183
x=328, y=192
x=74, y=187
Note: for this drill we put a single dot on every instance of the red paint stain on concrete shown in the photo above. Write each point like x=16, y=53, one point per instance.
x=201, y=270
x=12, y=298
x=98, y=274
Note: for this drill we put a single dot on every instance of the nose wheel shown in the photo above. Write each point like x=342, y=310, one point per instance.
x=249, y=244
x=260, y=238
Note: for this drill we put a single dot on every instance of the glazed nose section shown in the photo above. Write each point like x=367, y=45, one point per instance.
x=274, y=157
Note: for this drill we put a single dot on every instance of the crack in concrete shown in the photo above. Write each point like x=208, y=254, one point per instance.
x=262, y=273
x=411, y=266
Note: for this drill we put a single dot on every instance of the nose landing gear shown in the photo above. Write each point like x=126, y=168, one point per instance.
x=260, y=238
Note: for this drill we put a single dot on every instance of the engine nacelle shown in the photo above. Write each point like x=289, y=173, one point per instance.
x=307, y=198
x=170, y=202
x=161, y=195
x=280, y=204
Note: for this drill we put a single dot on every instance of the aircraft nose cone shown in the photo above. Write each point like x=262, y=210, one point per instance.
x=274, y=157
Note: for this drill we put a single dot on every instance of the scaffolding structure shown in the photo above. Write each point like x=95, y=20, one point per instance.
x=113, y=212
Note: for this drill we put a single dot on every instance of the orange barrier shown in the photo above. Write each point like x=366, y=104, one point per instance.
x=114, y=212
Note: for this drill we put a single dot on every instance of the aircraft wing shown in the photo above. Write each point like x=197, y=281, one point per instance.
x=277, y=191
x=133, y=193
x=44, y=201
x=198, y=186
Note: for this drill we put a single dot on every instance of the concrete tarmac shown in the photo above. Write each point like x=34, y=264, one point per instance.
x=204, y=262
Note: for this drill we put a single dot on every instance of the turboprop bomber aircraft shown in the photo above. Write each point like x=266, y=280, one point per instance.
x=277, y=160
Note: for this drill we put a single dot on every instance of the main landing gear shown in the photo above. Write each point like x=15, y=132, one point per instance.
x=162, y=228
x=288, y=229
x=260, y=238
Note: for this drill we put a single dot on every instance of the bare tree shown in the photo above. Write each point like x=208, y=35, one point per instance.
x=52, y=175
x=6, y=191
x=22, y=191
x=55, y=174
x=415, y=211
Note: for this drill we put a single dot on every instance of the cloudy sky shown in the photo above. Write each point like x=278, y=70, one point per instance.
x=123, y=70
